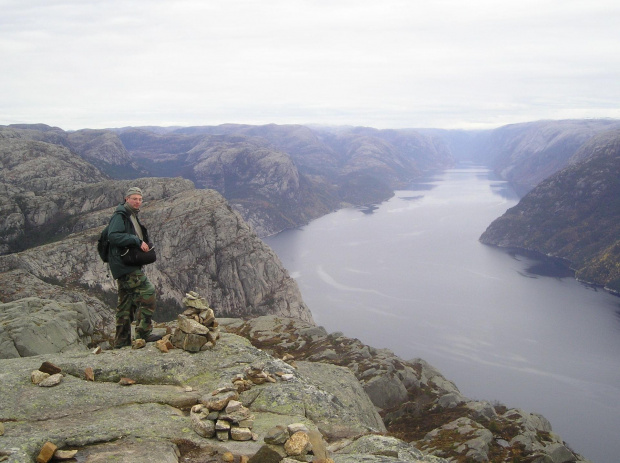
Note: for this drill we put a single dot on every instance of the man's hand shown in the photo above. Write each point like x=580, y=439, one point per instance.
x=144, y=246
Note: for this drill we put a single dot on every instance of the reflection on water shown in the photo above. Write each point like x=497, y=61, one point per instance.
x=412, y=198
x=410, y=275
x=503, y=189
x=369, y=209
x=543, y=265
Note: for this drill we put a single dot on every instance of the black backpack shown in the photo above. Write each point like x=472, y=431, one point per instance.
x=103, y=245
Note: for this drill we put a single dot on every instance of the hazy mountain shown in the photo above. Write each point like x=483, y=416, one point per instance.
x=105, y=150
x=574, y=214
x=102, y=148
x=282, y=176
x=276, y=176
x=526, y=154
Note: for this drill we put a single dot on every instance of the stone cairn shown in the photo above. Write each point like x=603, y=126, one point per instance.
x=197, y=330
x=221, y=415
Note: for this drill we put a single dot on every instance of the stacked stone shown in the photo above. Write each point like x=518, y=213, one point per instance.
x=294, y=442
x=221, y=415
x=256, y=374
x=197, y=328
x=48, y=375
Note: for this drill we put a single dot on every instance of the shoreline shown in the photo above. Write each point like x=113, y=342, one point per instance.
x=563, y=267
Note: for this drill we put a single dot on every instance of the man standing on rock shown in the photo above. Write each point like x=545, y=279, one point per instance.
x=136, y=294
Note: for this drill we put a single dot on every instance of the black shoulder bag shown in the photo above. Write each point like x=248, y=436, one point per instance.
x=136, y=257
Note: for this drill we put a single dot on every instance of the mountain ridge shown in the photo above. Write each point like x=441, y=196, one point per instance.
x=302, y=173
x=573, y=214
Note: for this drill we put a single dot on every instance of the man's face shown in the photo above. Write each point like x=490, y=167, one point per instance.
x=134, y=201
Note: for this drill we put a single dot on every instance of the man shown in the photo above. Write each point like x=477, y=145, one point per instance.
x=136, y=294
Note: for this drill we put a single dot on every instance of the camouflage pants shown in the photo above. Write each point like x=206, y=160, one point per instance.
x=136, y=301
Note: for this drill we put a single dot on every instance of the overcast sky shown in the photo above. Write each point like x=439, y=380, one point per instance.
x=386, y=64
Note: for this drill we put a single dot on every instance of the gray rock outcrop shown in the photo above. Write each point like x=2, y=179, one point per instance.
x=416, y=402
x=240, y=395
x=96, y=416
x=34, y=326
x=382, y=449
x=201, y=244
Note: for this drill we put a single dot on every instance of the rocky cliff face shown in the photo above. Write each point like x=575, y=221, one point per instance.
x=201, y=243
x=259, y=181
x=33, y=173
x=55, y=204
x=574, y=214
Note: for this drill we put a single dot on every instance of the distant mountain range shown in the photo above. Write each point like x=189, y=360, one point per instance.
x=277, y=177
x=283, y=176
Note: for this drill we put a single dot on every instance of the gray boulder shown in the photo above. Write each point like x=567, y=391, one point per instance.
x=34, y=326
x=472, y=443
x=382, y=449
x=385, y=391
x=346, y=390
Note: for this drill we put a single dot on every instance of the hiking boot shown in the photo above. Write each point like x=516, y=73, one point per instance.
x=153, y=337
x=120, y=345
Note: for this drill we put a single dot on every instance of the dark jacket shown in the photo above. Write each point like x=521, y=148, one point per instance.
x=122, y=234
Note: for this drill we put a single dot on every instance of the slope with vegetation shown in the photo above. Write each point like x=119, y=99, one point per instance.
x=574, y=214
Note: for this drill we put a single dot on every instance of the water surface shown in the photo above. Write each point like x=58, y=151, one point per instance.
x=410, y=275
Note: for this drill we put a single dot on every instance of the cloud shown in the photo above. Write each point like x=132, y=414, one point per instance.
x=383, y=64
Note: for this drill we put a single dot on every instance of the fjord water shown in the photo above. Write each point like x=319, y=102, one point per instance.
x=410, y=275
